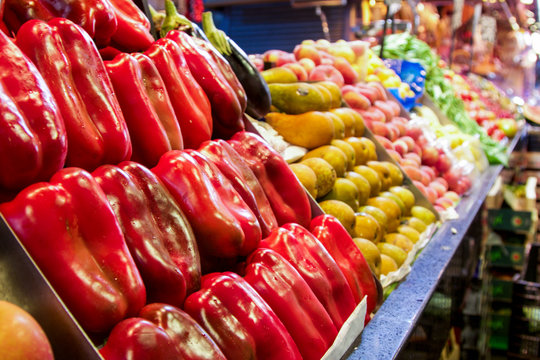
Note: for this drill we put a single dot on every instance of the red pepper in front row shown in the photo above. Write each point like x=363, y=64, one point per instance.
x=244, y=181
x=133, y=28
x=218, y=220
x=70, y=63
x=160, y=332
x=287, y=196
x=239, y=320
x=156, y=231
x=317, y=267
x=291, y=298
x=70, y=230
x=34, y=143
x=350, y=260
x=152, y=133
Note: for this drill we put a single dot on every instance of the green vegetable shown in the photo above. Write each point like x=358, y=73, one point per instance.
x=408, y=47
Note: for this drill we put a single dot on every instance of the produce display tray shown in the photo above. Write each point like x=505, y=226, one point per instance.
x=388, y=332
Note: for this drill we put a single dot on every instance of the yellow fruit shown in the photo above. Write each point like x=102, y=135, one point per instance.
x=390, y=208
x=354, y=124
x=326, y=175
x=378, y=214
x=348, y=150
x=400, y=240
x=395, y=173
x=391, y=82
x=384, y=73
x=299, y=97
x=423, y=214
x=409, y=232
x=307, y=177
x=371, y=176
x=372, y=77
x=364, y=189
x=387, y=264
x=371, y=254
x=343, y=212
x=395, y=252
x=279, y=75
x=343, y=190
x=383, y=170
x=334, y=90
x=415, y=223
x=367, y=227
x=334, y=155
x=405, y=195
x=339, y=127
x=310, y=130
x=396, y=199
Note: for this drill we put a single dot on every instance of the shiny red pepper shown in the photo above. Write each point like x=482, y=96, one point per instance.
x=157, y=233
x=217, y=221
x=133, y=30
x=239, y=320
x=291, y=298
x=34, y=142
x=226, y=109
x=188, y=99
x=71, y=232
x=17, y=12
x=160, y=332
x=350, y=260
x=151, y=135
x=70, y=63
x=317, y=267
x=233, y=167
x=287, y=197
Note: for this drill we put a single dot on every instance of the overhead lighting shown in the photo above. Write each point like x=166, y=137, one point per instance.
x=420, y=7
x=527, y=2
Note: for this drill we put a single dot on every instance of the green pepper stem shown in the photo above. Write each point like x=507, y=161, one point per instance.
x=217, y=37
x=173, y=20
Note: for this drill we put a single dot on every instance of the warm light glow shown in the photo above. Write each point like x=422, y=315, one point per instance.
x=371, y=2
x=420, y=7
x=527, y=2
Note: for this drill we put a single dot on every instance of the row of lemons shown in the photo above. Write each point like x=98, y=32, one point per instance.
x=365, y=194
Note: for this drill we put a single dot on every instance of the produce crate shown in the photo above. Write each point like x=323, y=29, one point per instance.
x=505, y=256
x=524, y=339
x=499, y=327
x=500, y=290
x=509, y=219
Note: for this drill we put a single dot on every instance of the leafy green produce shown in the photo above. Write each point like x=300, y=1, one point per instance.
x=408, y=47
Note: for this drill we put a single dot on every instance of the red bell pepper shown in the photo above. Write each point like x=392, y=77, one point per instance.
x=17, y=12
x=350, y=260
x=291, y=298
x=160, y=332
x=147, y=130
x=139, y=339
x=317, y=267
x=71, y=232
x=216, y=221
x=188, y=99
x=133, y=30
x=34, y=142
x=70, y=63
x=287, y=197
x=226, y=109
x=156, y=231
x=233, y=167
x=239, y=320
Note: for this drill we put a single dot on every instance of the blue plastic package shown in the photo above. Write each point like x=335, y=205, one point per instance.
x=412, y=73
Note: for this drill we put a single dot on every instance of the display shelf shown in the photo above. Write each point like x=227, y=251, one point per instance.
x=388, y=332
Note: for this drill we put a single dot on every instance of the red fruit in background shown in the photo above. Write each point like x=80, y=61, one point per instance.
x=382, y=105
x=400, y=119
x=438, y=187
x=21, y=336
x=298, y=70
x=359, y=47
x=387, y=144
x=258, y=63
x=498, y=135
x=413, y=131
x=379, y=128
x=444, y=203
x=394, y=154
x=413, y=172
x=408, y=162
x=408, y=140
x=350, y=76
x=394, y=106
x=420, y=187
x=443, y=163
x=429, y=155
x=373, y=114
x=452, y=178
x=303, y=51
x=371, y=93
x=393, y=131
x=307, y=64
x=414, y=157
x=354, y=99
x=400, y=127
x=278, y=57
x=438, y=208
x=401, y=146
x=428, y=170
x=417, y=150
x=443, y=182
x=452, y=195
x=326, y=73
x=425, y=178
x=431, y=195
x=380, y=88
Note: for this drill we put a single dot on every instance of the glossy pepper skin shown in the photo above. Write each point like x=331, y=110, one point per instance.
x=215, y=220
x=151, y=135
x=233, y=167
x=239, y=320
x=316, y=266
x=350, y=260
x=226, y=109
x=293, y=301
x=287, y=197
x=71, y=232
x=188, y=99
x=156, y=231
x=70, y=63
x=34, y=142
x=133, y=28
x=17, y=12
x=160, y=331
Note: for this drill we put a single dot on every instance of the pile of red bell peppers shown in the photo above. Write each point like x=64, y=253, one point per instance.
x=161, y=241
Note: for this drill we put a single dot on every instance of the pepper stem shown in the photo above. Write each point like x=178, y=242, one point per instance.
x=157, y=17
x=173, y=20
x=217, y=37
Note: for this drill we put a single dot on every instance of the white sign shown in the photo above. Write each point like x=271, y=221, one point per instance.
x=458, y=14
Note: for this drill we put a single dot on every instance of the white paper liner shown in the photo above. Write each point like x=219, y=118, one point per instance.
x=448, y=214
x=405, y=268
x=348, y=333
x=290, y=153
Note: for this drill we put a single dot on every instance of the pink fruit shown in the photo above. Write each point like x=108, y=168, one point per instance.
x=429, y=171
x=394, y=154
x=354, y=99
x=382, y=105
x=379, y=128
x=438, y=187
x=444, y=203
x=372, y=114
x=326, y=73
x=380, y=88
x=298, y=70
x=413, y=131
x=400, y=127
x=443, y=163
x=408, y=162
x=350, y=76
x=413, y=172
x=401, y=146
x=393, y=131
x=429, y=155
x=431, y=195
x=307, y=64
x=278, y=57
x=414, y=157
x=452, y=195
x=425, y=178
x=438, y=208
x=420, y=187
x=408, y=140
x=400, y=119
x=303, y=51
x=417, y=150
x=443, y=182
x=387, y=144
x=371, y=93
x=394, y=106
